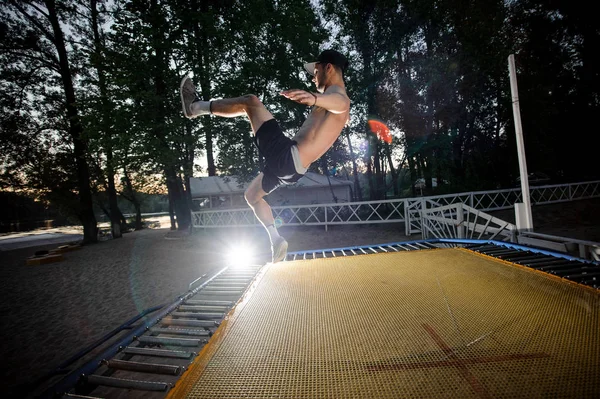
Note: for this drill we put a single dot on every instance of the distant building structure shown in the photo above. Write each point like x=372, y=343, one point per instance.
x=227, y=192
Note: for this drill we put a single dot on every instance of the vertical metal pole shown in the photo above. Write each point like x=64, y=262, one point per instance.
x=526, y=222
x=406, y=219
x=460, y=220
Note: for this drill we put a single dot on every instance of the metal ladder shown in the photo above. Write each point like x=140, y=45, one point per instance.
x=149, y=360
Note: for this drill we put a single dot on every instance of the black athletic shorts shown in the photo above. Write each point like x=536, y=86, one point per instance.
x=277, y=149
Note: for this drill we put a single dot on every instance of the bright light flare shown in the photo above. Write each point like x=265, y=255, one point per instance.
x=381, y=130
x=240, y=256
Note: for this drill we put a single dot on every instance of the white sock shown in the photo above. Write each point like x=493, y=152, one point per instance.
x=272, y=230
x=200, y=108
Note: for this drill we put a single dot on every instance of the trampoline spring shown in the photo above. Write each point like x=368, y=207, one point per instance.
x=171, y=341
x=159, y=352
x=179, y=331
x=128, y=384
x=189, y=323
x=198, y=315
x=143, y=367
x=208, y=302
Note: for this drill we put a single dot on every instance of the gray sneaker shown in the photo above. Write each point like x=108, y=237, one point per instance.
x=279, y=249
x=188, y=96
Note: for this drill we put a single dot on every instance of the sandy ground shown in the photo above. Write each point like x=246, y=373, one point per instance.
x=52, y=311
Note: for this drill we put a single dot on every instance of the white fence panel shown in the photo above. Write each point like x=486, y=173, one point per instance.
x=406, y=210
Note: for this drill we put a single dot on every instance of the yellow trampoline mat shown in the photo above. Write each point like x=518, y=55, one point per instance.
x=444, y=323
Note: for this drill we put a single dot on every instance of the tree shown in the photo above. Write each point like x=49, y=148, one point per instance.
x=369, y=27
x=34, y=46
x=142, y=54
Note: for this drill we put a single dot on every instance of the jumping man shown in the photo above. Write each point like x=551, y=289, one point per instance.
x=286, y=161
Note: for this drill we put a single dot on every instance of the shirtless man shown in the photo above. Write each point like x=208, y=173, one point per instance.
x=286, y=159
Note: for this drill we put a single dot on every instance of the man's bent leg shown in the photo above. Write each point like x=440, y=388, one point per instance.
x=255, y=197
x=248, y=105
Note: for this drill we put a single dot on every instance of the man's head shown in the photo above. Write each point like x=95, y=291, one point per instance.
x=329, y=65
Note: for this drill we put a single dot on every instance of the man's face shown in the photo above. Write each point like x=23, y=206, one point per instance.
x=320, y=76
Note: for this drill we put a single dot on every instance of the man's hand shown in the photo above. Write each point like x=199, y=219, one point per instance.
x=300, y=96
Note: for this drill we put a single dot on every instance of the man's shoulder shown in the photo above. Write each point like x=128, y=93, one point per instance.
x=336, y=89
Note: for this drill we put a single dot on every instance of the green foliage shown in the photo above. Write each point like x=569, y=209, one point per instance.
x=434, y=71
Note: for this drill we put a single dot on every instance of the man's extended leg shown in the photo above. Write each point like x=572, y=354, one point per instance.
x=248, y=105
x=255, y=197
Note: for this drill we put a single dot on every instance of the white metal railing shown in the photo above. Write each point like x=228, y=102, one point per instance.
x=462, y=221
x=406, y=210
x=584, y=249
x=500, y=199
x=387, y=211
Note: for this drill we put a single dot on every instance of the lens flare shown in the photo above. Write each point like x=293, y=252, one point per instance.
x=240, y=256
x=278, y=222
x=380, y=130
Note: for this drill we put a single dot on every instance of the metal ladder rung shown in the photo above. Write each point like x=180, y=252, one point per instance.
x=128, y=384
x=179, y=331
x=189, y=323
x=219, y=293
x=199, y=309
x=582, y=275
x=203, y=316
x=152, y=368
x=501, y=251
x=171, y=341
x=205, y=308
x=237, y=278
x=159, y=352
x=237, y=286
x=238, y=281
x=208, y=302
x=528, y=258
x=559, y=267
x=543, y=260
x=232, y=280
x=220, y=289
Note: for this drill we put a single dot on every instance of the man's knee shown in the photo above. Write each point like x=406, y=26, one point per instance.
x=252, y=197
x=252, y=101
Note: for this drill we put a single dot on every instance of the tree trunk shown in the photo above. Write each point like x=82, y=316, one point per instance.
x=115, y=222
x=324, y=166
x=86, y=211
x=179, y=200
x=171, y=210
x=130, y=196
x=123, y=221
x=203, y=61
x=372, y=189
x=413, y=175
x=388, y=153
x=378, y=179
x=188, y=167
x=357, y=190
x=170, y=164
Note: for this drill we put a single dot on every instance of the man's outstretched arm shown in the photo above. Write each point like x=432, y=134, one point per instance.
x=332, y=100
